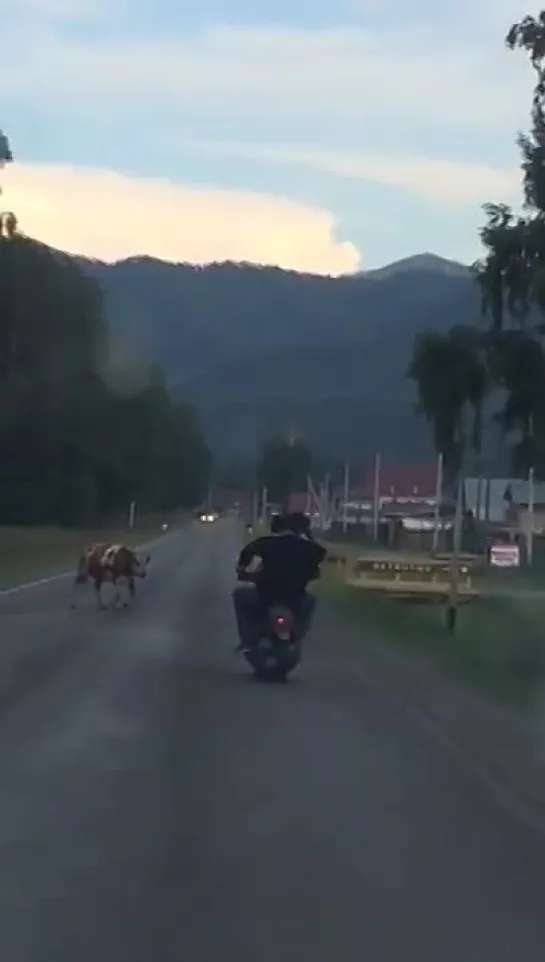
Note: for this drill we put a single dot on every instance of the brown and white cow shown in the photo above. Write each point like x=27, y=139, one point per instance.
x=114, y=563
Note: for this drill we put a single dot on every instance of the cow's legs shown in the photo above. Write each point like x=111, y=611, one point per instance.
x=98, y=594
x=119, y=603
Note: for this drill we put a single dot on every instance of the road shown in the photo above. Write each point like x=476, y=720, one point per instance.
x=157, y=805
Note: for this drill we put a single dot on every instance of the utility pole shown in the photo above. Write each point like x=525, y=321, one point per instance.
x=376, y=498
x=326, y=502
x=452, y=608
x=530, y=523
x=315, y=496
x=531, y=498
x=264, y=505
x=438, y=499
x=346, y=495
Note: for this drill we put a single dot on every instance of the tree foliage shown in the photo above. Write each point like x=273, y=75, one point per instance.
x=512, y=272
x=73, y=447
x=283, y=468
x=511, y=277
x=451, y=380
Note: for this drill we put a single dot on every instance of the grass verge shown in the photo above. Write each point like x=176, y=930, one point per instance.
x=32, y=552
x=498, y=647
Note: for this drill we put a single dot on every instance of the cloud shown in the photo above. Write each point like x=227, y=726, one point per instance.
x=109, y=216
x=401, y=100
x=354, y=73
x=443, y=182
x=52, y=11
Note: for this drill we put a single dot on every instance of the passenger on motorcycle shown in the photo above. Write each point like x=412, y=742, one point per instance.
x=281, y=565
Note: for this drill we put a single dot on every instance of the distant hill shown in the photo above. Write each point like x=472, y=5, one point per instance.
x=423, y=263
x=261, y=349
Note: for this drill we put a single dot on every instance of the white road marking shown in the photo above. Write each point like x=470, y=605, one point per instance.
x=26, y=585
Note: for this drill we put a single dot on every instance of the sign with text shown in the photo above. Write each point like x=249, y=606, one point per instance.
x=505, y=556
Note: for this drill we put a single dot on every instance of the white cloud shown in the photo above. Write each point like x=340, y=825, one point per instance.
x=109, y=216
x=388, y=84
x=444, y=182
x=321, y=73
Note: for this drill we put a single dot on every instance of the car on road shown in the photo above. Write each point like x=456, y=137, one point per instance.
x=208, y=517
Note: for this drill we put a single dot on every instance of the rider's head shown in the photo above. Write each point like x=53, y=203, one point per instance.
x=278, y=523
x=293, y=522
x=300, y=522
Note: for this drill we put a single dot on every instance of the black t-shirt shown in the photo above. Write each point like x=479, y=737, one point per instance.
x=289, y=563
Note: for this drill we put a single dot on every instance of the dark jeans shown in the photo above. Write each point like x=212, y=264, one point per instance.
x=249, y=610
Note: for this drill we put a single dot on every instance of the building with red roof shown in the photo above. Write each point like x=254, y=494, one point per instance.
x=397, y=480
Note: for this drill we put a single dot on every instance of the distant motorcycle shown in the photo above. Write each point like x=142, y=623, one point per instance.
x=275, y=651
x=249, y=529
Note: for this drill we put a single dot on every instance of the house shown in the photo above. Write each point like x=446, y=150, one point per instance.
x=405, y=489
x=414, y=481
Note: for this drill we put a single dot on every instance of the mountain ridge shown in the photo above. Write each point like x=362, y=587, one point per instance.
x=426, y=261
x=258, y=349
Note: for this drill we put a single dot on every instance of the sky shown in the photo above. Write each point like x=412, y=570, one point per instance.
x=317, y=136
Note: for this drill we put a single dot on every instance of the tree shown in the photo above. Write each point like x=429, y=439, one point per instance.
x=511, y=274
x=283, y=467
x=517, y=366
x=6, y=156
x=461, y=366
x=450, y=374
x=73, y=449
x=8, y=221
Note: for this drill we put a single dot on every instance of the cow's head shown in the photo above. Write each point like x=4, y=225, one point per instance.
x=141, y=566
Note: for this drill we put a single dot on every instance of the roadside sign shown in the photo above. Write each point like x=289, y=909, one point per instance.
x=505, y=556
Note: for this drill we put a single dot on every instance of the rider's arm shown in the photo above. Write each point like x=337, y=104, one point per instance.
x=319, y=555
x=247, y=554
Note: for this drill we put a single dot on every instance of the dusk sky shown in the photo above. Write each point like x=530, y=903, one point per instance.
x=319, y=136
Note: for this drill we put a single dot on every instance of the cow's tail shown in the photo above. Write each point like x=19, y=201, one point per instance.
x=81, y=574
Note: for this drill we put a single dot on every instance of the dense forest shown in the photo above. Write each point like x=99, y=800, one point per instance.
x=80, y=435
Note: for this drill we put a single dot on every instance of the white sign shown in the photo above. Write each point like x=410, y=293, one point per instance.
x=505, y=556
x=425, y=524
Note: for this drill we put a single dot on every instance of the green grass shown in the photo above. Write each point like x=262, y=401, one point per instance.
x=498, y=647
x=31, y=552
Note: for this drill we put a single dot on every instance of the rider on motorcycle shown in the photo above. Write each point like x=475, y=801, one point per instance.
x=281, y=564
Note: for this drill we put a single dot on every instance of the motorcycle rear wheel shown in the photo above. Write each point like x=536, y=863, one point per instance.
x=278, y=674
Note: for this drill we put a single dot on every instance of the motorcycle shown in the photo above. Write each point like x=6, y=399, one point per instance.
x=275, y=651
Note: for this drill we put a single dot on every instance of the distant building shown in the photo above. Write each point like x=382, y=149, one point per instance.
x=299, y=501
x=409, y=480
x=406, y=490
x=502, y=499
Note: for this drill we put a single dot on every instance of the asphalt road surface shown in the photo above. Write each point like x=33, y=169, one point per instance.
x=157, y=805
